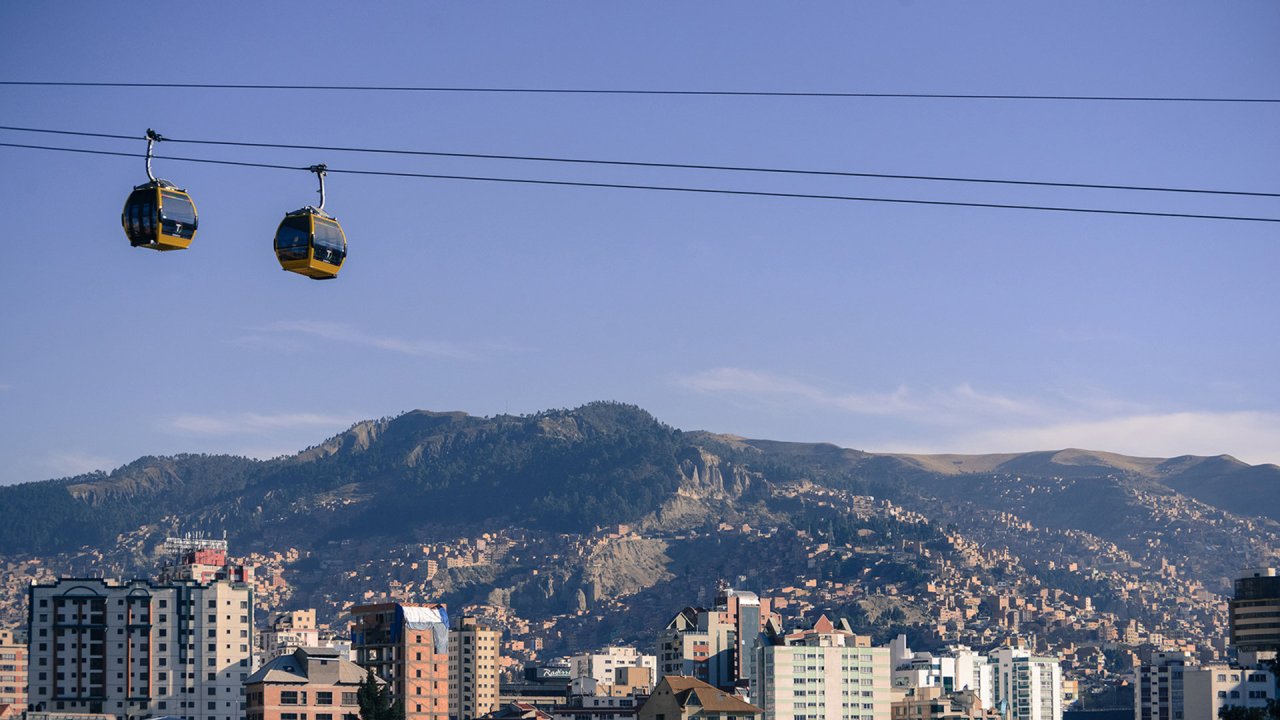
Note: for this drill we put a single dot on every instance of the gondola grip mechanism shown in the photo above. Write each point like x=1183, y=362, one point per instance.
x=320, y=171
x=153, y=137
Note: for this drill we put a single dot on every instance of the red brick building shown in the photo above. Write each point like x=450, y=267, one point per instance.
x=408, y=646
x=309, y=684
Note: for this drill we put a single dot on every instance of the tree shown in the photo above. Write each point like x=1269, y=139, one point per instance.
x=375, y=700
x=1235, y=712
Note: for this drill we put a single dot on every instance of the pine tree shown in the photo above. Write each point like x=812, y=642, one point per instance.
x=374, y=700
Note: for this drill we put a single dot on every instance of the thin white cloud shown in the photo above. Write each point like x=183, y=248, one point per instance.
x=1251, y=436
x=344, y=333
x=67, y=464
x=251, y=423
x=952, y=406
x=963, y=419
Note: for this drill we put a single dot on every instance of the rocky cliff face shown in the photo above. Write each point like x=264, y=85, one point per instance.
x=426, y=477
x=709, y=487
x=625, y=566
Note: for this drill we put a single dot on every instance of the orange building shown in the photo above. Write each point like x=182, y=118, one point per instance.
x=408, y=646
x=13, y=673
x=309, y=684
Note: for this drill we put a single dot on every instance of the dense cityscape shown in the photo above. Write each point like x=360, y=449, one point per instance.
x=207, y=637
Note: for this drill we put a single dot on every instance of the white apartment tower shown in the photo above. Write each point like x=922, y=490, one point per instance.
x=600, y=666
x=955, y=670
x=1026, y=687
x=826, y=673
x=136, y=649
x=1158, y=693
x=288, y=631
x=1210, y=688
x=473, y=669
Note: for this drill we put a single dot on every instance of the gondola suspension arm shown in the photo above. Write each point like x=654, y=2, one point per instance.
x=153, y=137
x=320, y=171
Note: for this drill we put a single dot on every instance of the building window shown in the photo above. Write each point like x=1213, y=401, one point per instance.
x=324, y=697
x=290, y=697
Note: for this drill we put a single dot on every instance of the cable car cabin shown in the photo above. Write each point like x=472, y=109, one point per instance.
x=159, y=216
x=311, y=242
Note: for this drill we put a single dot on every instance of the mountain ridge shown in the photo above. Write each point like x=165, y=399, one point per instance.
x=605, y=509
x=417, y=438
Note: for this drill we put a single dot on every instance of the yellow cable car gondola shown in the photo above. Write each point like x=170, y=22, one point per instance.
x=159, y=215
x=310, y=241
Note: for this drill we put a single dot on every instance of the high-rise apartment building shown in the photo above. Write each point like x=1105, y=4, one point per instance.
x=13, y=672
x=408, y=646
x=473, y=669
x=957, y=669
x=1255, y=615
x=1209, y=688
x=932, y=703
x=204, y=561
x=288, y=631
x=826, y=673
x=715, y=645
x=138, y=649
x=1158, y=692
x=603, y=665
x=1026, y=687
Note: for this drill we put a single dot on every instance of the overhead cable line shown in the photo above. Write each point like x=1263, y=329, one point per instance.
x=607, y=91
x=668, y=188
x=665, y=165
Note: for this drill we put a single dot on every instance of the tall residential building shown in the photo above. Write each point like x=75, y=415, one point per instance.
x=13, y=672
x=826, y=673
x=1255, y=632
x=931, y=703
x=406, y=645
x=956, y=670
x=1209, y=688
x=1026, y=687
x=715, y=645
x=311, y=683
x=601, y=666
x=137, y=649
x=473, y=669
x=203, y=561
x=1159, y=690
x=288, y=631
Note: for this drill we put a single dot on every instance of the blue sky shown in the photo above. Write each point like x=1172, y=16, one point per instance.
x=875, y=326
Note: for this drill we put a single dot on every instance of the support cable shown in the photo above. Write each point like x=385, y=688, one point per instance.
x=667, y=165
x=669, y=188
